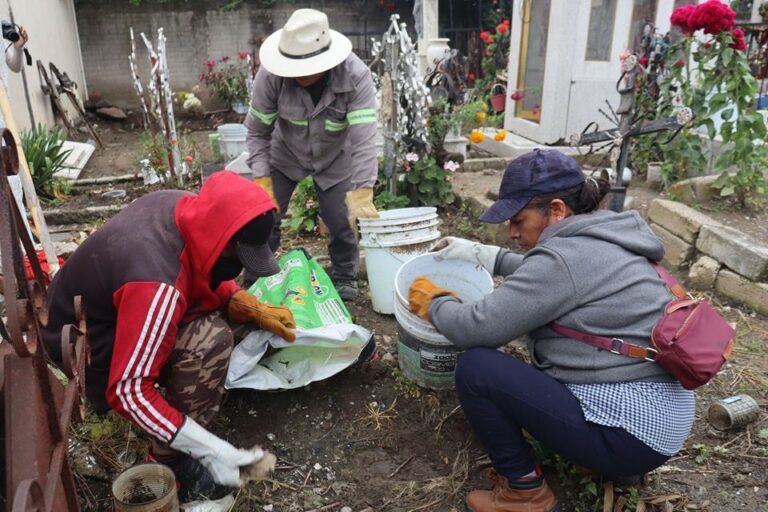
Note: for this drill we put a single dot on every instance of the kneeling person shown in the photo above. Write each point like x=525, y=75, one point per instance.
x=156, y=283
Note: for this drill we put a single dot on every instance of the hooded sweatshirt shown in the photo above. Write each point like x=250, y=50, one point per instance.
x=589, y=272
x=141, y=275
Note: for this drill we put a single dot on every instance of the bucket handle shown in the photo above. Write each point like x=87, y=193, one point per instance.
x=496, y=87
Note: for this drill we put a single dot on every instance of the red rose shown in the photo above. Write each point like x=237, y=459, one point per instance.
x=242, y=55
x=679, y=62
x=713, y=17
x=210, y=64
x=739, y=42
x=681, y=18
x=225, y=58
x=505, y=21
x=188, y=159
x=202, y=76
x=470, y=76
x=516, y=96
x=486, y=37
x=644, y=61
x=707, y=45
x=501, y=28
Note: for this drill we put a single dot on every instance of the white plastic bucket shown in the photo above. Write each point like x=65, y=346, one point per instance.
x=391, y=240
x=424, y=355
x=232, y=140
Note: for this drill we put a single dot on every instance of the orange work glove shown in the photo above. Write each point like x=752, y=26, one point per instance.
x=421, y=294
x=265, y=182
x=244, y=307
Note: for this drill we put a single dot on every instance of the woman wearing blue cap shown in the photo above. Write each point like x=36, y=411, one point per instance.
x=585, y=269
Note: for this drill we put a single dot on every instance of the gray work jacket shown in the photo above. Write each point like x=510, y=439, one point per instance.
x=329, y=141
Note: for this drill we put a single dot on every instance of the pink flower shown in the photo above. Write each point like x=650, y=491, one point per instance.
x=516, y=96
x=173, y=140
x=681, y=18
x=242, y=55
x=202, y=76
x=188, y=159
x=505, y=21
x=644, y=61
x=470, y=76
x=501, y=28
x=624, y=55
x=451, y=166
x=739, y=43
x=210, y=64
x=679, y=62
x=225, y=58
x=486, y=37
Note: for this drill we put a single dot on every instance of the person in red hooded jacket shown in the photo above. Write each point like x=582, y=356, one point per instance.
x=156, y=282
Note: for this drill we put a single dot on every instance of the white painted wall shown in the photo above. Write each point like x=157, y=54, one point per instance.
x=53, y=38
x=574, y=88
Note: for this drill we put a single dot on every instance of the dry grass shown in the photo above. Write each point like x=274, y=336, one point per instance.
x=377, y=417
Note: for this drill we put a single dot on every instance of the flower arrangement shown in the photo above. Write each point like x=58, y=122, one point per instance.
x=495, y=56
x=713, y=78
x=227, y=78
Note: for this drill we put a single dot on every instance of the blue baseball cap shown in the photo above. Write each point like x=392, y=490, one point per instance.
x=540, y=172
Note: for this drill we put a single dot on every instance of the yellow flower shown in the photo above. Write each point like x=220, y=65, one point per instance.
x=484, y=107
x=477, y=136
x=500, y=135
x=480, y=118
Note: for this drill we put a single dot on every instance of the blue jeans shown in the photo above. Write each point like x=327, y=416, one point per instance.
x=502, y=395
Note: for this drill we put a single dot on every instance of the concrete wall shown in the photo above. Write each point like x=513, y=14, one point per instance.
x=196, y=32
x=53, y=38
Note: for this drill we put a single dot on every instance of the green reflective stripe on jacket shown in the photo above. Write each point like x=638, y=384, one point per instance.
x=334, y=126
x=362, y=116
x=264, y=118
x=298, y=122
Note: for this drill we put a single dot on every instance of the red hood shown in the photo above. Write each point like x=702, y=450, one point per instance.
x=226, y=202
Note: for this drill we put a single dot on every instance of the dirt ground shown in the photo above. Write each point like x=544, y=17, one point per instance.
x=370, y=440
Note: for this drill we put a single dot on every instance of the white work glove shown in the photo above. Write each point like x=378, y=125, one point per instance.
x=218, y=456
x=453, y=248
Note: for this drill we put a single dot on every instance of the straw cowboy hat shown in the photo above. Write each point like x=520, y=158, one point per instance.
x=304, y=46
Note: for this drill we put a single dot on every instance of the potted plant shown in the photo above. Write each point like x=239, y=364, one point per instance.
x=763, y=11
x=227, y=78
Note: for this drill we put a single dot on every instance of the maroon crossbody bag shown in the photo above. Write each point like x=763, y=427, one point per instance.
x=691, y=341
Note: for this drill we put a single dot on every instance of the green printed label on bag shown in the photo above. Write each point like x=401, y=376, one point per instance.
x=303, y=286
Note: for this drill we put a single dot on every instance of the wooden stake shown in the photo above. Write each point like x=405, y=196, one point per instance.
x=33, y=204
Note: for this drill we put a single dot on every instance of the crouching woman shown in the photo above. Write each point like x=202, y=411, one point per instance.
x=585, y=269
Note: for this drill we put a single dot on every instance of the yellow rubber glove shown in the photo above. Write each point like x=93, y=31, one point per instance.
x=244, y=307
x=265, y=182
x=421, y=294
x=360, y=205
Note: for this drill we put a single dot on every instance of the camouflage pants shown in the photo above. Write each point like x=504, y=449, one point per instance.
x=194, y=375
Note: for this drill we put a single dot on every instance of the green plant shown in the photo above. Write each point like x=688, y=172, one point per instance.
x=429, y=183
x=701, y=453
x=42, y=147
x=155, y=149
x=713, y=78
x=304, y=210
x=228, y=78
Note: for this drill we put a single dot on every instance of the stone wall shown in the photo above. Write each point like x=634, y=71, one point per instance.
x=197, y=32
x=716, y=256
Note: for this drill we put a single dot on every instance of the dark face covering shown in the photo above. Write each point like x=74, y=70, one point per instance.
x=225, y=269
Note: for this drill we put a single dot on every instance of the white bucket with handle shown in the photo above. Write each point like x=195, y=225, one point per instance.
x=391, y=240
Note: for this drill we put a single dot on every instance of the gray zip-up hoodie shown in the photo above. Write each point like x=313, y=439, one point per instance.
x=589, y=272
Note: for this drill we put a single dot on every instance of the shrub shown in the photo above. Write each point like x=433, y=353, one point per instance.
x=42, y=147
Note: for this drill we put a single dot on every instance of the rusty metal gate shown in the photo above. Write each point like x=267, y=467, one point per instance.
x=35, y=407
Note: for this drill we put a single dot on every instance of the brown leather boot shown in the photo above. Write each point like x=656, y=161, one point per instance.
x=503, y=498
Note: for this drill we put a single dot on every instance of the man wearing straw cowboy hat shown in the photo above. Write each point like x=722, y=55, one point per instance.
x=313, y=113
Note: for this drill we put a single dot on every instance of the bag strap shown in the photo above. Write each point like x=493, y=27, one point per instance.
x=612, y=345
x=675, y=287
x=617, y=345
